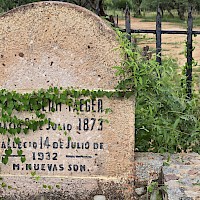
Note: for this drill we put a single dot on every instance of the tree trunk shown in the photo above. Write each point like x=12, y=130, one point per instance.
x=101, y=8
x=181, y=11
x=170, y=13
x=137, y=10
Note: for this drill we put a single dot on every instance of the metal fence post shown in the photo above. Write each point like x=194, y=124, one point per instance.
x=117, y=21
x=158, y=36
x=189, y=54
x=128, y=23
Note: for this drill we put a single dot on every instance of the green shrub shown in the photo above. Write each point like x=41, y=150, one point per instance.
x=121, y=4
x=165, y=120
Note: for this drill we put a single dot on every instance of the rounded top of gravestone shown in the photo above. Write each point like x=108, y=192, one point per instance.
x=56, y=44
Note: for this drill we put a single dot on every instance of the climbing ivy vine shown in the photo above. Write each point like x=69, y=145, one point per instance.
x=12, y=103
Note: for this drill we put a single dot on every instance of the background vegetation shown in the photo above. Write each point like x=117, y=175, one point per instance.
x=137, y=6
x=166, y=121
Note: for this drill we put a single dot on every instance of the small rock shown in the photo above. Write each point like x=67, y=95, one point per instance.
x=143, y=197
x=192, y=172
x=155, y=195
x=171, y=177
x=140, y=191
x=186, y=181
x=175, y=193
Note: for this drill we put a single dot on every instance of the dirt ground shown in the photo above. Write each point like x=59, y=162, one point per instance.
x=172, y=45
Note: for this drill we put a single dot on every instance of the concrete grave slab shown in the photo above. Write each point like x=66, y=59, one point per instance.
x=59, y=44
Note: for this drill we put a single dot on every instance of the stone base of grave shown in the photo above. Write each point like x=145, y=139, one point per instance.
x=62, y=188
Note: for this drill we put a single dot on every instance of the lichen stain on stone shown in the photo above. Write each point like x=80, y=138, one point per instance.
x=21, y=54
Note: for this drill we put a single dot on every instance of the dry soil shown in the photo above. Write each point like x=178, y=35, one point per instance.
x=172, y=45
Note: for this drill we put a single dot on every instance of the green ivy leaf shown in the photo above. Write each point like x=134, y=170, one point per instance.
x=5, y=160
x=12, y=131
x=9, y=187
x=23, y=159
x=19, y=152
x=3, y=184
x=42, y=116
x=58, y=186
x=108, y=94
x=25, y=130
x=9, y=111
x=8, y=152
x=2, y=130
x=53, y=110
x=18, y=130
x=49, y=187
x=37, y=178
x=35, y=126
x=3, y=99
x=108, y=110
x=33, y=173
x=59, y=128
x=128, y=94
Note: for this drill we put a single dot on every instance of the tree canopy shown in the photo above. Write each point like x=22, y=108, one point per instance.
x=99, y=6
x=180, y=6
x=94, y=5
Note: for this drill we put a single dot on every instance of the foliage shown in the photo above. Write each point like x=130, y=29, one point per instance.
x=34, y=103
x=118, y=4
x=156, y=191
x=109, y=4
x=181, y=6
x=121, y=4
x=151, y=16
x=165, y=120
x=13, y=103
x=135, y=5
x=6, y=5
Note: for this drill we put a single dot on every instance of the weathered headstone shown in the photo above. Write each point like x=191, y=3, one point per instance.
x=59, y=44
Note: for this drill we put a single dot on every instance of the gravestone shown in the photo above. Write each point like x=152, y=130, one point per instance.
x=62, y=45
